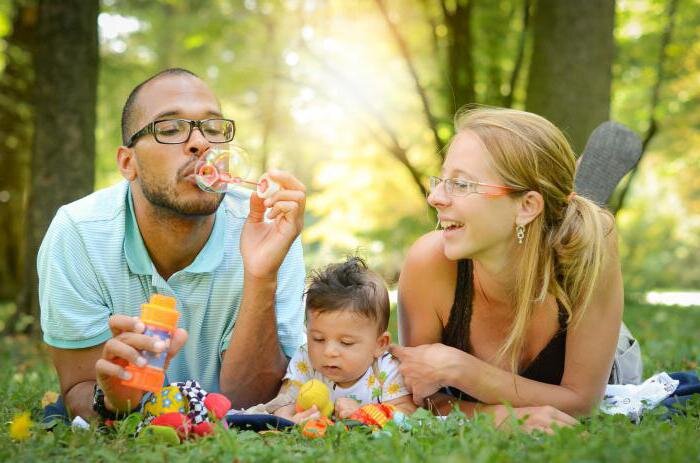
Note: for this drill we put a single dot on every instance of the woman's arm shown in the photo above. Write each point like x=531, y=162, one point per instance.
x=590, y=347
x=424, y=303
x=543, y=418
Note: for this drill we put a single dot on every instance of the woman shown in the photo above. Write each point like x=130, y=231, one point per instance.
x=518, y=297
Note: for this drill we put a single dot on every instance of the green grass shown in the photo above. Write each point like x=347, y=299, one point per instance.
x=669, y=342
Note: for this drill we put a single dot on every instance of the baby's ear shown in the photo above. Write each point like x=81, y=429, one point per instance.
x=382, y=343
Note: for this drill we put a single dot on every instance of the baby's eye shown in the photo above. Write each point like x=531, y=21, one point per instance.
x=347, y=343
x=317, y=339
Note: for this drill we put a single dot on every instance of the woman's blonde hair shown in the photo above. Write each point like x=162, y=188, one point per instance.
x=562, y=252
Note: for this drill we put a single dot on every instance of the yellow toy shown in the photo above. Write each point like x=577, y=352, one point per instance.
x=315, y=392
x=167, y=400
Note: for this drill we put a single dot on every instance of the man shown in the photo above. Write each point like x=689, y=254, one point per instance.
x=238, y=278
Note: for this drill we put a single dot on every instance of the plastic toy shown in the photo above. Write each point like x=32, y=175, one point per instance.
x=183, y=408
x=160, y=317
x=313, y=429
x=222, y=169
x=315, y=392
x=374, y=414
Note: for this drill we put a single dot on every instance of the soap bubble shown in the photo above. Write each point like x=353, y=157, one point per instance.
x=222, y=168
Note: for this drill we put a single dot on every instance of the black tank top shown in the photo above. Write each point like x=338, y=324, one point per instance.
x=547, y=367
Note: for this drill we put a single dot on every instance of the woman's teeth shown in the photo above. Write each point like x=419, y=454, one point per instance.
x=450, y=225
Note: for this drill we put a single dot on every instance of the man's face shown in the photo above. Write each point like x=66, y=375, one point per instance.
x=165, y=172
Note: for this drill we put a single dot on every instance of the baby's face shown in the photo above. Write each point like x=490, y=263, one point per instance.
x=343, y=345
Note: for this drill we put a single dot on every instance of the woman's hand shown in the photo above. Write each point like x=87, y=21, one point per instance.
x=423, y=367
x=125, y=347
x=542, y=418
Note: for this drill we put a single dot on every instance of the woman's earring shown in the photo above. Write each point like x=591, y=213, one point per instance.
x=520, y=233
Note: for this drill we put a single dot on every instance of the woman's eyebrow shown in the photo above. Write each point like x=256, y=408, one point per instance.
x=462, y=174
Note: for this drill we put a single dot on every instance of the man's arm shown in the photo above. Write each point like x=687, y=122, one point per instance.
x=76, y=375
x=253, y=365
x=79, y=369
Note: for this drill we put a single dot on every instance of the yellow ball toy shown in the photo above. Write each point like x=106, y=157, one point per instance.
x=315, y=392
x=168, y=400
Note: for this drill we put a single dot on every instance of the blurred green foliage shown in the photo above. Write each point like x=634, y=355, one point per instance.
x=320, y=88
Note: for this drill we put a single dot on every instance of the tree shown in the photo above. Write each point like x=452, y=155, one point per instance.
x=62, y=165
x=16, y=126
x=571, y=65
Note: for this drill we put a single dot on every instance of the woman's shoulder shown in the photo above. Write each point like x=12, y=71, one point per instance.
x=428, y=280
x=428, y=252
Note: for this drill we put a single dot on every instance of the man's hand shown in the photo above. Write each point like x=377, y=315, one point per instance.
x=265, y=244
x=124, y=347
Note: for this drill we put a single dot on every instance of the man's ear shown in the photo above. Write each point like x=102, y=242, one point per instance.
x=382, y=343
x=531, y=205
x=126, y=163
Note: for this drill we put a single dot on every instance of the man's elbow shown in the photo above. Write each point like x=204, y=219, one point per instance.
x=253, y=390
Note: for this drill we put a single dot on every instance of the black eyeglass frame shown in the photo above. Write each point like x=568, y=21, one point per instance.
x=150, y=128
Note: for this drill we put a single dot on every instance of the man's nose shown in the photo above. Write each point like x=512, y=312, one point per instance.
x=197, y=144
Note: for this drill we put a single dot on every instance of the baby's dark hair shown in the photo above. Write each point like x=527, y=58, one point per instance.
x=352, y=286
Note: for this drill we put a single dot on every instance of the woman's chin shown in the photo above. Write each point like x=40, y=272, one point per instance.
x=453, y=251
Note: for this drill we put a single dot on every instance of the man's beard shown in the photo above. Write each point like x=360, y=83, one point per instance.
x=166, y=198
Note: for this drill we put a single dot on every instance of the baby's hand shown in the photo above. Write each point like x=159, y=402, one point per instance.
x=310, y=414
x=345, y=406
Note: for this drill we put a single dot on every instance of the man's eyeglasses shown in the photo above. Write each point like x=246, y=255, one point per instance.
x=459, y=187
x=174, y=131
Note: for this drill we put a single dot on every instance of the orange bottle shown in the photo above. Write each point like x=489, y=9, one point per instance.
x=160, y=317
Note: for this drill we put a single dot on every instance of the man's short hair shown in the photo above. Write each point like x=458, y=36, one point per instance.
x=129, y=106
x=349, y=285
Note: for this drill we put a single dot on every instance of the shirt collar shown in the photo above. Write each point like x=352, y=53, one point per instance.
x=139, y=261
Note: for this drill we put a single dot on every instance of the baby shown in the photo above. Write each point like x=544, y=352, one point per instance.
x=347, y=315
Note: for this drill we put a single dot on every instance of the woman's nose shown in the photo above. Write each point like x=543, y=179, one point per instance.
x=438, y=197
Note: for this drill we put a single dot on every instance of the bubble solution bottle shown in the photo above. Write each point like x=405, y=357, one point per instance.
x=160, y=317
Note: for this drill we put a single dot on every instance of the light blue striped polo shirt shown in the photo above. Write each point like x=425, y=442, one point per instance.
x=93, y=263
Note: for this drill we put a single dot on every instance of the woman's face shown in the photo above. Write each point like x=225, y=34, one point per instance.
x=477, y=226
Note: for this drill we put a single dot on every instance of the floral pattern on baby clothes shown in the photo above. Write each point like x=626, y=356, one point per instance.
x=378, y=385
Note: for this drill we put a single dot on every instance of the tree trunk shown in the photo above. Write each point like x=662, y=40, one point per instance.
x=16, y=126
x=460, y=69
x=63, y=164
x=571, y=66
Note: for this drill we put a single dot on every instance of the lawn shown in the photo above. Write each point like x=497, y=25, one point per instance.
x=669, y=343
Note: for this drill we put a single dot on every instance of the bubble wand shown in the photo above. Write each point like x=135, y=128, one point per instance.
x=222, y=169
